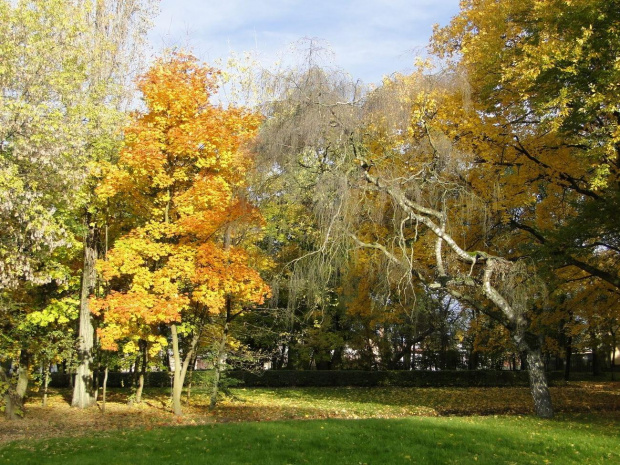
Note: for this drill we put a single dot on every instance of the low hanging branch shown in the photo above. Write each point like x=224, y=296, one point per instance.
x=491, y=266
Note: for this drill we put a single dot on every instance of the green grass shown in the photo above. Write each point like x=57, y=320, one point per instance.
x=389, y=402
x=424, y=440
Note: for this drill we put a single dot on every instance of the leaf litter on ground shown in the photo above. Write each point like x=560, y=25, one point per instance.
x=263, y=404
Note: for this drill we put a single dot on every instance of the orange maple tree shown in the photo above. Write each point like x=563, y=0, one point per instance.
x=181, y=173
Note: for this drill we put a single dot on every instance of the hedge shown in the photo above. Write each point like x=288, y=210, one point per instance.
x=284, y=378
x=116, y=379
x=326, y=378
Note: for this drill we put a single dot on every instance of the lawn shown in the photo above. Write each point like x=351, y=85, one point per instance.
x=423, y=440
x=341, y=425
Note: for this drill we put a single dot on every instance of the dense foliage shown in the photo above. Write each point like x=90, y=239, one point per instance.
x=460, y=217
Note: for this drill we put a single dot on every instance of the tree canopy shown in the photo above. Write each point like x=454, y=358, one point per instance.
x=460, y=216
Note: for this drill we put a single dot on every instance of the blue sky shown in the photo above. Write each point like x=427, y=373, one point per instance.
x=368, y=38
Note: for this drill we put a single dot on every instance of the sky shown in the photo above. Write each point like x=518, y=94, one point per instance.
x=368, y=39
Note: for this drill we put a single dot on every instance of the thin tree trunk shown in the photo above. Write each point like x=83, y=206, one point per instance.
x=407, y=356
x=219, y=366
x=567, y=358
x=83, y=391
x=190, y=370
x=143, y=347
x=46, y=382
x=221, y=352
x=222, y=355
x=612, y=361
x=103, y=391
x=596, y=365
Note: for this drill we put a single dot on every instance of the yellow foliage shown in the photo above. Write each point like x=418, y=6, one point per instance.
x=182, y=172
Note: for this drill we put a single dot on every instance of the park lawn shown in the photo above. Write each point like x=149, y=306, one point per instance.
x=392, y=402
x=578, y=439
x=323, y=425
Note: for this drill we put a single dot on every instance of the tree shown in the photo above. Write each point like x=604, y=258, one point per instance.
x=299, y=147
x=397, y=183
x=64, y=69
x=182, y=172
x=117, y=30
x=542, y=87
x=42, y=129
x=436, y=227
x=55, y=115
x=543, y=124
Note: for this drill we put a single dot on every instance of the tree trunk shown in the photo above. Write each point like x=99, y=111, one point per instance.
x=472, y=360
x=407, y=357
x=143, y=352
x=11, y=403
x=538, y=384
x=105, y=387
x=596, y=365
x=177, y=384
x=612, y=362
x=22, y=376
x=219, y=367
x=292, y=356
x=14, y=396
x=336, y=362
x=166, y=361
x=221, y=357
x=46, y=382
x=567, y=358
x=83, y=391
x=190, y=370
x=180, y=368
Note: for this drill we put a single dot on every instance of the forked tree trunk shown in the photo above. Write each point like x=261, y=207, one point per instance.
x=180, y=368
x=83, y=390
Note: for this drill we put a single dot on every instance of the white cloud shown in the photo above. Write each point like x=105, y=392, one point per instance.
x=370, y=38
